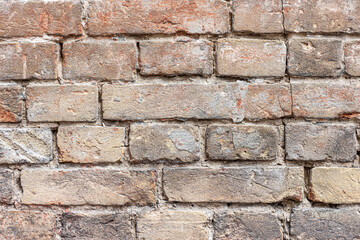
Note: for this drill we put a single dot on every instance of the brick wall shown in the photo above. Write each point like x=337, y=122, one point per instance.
x=179, y=119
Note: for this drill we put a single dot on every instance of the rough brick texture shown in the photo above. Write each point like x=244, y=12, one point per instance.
x=176, y=58
x=90, y=186
x=107, y=17
x=179, y=119
x=69, y=103
x=251, y=58
x=28, y=60
x=243, y=185
x=100, y=59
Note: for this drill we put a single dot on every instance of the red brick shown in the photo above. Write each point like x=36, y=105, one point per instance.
x=107, y=17
x=173, y=58
x=99, y=59
x=257, y=16
x=36, y=18
x=326, y=99
x=28, y=60
x=10, y=103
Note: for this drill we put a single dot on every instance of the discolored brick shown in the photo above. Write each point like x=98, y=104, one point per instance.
x=243, y=142
x=257, y=16
x=99, y=60
x=326, y=99
x=25, y=145
x=57, y=103
x=10, y=103
x=7, y=184
x=233, y=185
x=318, y=142
x=176, y=58
x=37, y=18
x=175, y=225
x=91, y=144
x=28, y=60
x=27, y=225
x=247, y=225
x=335, y=185
x=322, y=223
x=101, y=226
x=316, y=57
x=107, y=17
x=352, y=58
x=88, y=186
x=170, y=142
x=251, y=58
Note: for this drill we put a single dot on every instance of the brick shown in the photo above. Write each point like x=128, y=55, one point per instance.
x=251, y=58
x=99, y=60
x=247, y=225
x=352, y=58
x=107, y=17
x=25, y=145
x=91, y=144
x=324, y=224
x=315, y=57
x=28, y=60
x=197, y=101
x=109, y=226
x=10, y=103
x=335, y=185
x=88, y=186
x=318, y=142
x=266, y=16
x=175, y=225
x=326, y=99
x=176, y=58
x=7, y=184
x=27, y=225
x=170, y=142
x=243, y=142
x=318, y=16
x=234, y=185
x=37, y=18
x=57, y=103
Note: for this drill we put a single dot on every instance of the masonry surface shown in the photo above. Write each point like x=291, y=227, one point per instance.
x=179, y=119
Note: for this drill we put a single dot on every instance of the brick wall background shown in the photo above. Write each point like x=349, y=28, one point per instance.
x=179, y=119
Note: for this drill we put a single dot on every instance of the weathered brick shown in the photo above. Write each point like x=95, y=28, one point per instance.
x=91, y=144
x=107, y=17
x=199, y=101
x=56, y=103
x=25, y=145
x=242, y=185
x=335, y=185
x=88, y=186
x=170, y=142
x=257, y=16
x=247, y=225
x=317, y=142
x=10, y=103
x=352, y=58
x=7, y=184
x=318, y=16
x=243, y=142
x=251, y=58
x=28, y=60
x=175, y=225
x=96, y=226
x=324, y=224
x=27, y=225
x=176, y=58
x=316, y=57
x=326, y=99
x=99, y=59
x=36, y=18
